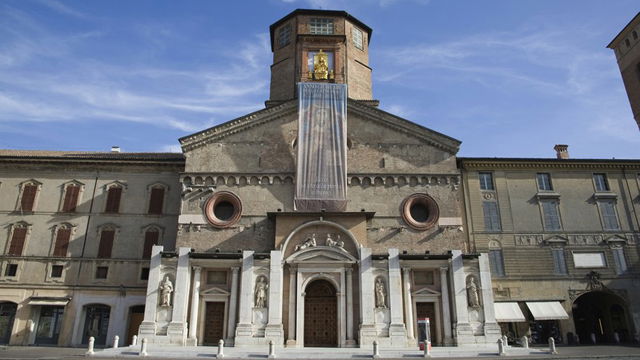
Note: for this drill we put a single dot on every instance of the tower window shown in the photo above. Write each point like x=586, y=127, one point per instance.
x=627, y=42
x=284, y=35
x=486, y=181
x=357, y=38
x=635, y=35
x=321, y=26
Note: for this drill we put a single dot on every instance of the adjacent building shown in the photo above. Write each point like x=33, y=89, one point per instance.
x=319, y=220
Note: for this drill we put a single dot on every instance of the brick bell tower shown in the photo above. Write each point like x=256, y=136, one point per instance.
x=321, y=46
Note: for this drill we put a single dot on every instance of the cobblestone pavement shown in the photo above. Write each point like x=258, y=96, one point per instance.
x=573, y=352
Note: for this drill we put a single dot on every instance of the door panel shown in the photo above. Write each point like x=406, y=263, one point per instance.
x=428, y=310
x=213, y=323
x=320, y=315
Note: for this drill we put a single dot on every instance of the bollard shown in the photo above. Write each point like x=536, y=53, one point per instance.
x=427, y=349
x=593, y=338
x=501, y=351
x=134, y=340
x=616, y=337
x=116, y=340
x=272, y=350
x=376, y=351
x=143, y=347
x=552, y=346
x=90, y=349
x=525, y=342
x=220, y=354
x=505, y=341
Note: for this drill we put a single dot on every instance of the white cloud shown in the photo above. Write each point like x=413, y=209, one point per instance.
x=171, y=148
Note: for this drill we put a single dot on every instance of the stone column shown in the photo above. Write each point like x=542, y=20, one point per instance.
x=299, y=311
x=349, y=281
x=244, y=331
x=408, y=304
x=177, y=329
x=148, y=325
x=274, y=330
x=492, y=330
x=368, y=331
x=342, y=308
x=397, y=331
x=464, y=333
x=233, y=305
x=291, y=339
x=195, y=302
x=446, y=311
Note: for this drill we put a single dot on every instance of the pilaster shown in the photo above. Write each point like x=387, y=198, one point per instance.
x=244, y=330
x=492, y=330
x=148, y=325
x=463, y=330
x=274, y=330
x=446, y=310
x=195, y=303
x=233, y=305
x=408, y=304
x=367, y=327
x=177, y=330
x=397, y=331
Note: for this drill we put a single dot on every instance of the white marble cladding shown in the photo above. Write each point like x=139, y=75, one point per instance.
x=574, y=239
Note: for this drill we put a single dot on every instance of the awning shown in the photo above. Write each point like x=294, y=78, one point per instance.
x=508, y=312
x=547, y=310
x=47, y=300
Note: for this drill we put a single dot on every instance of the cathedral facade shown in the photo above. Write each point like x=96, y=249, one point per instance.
x=319, y=220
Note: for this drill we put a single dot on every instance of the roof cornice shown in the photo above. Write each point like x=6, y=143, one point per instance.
x=538, y=163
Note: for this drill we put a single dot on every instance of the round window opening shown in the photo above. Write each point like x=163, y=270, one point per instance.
x=420, y=211
x=223, y=209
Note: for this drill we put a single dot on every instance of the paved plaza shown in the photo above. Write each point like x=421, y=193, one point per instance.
x=206, y=352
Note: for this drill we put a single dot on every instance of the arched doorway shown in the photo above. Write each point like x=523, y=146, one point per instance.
x=320, y=315
x=602, y=314
x=7, y=316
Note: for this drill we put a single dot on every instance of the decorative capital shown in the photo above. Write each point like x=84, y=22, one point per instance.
x=444, y=269
x=197, y=269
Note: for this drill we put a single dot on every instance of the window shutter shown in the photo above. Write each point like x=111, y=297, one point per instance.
x=28, y=197
x=559, y=265
x=491, y=216
x=62, y=242
x=106, y=243
x=156, y=201
x=113, y=200
x=17, y=241
x=150, y=239
x=71, y=198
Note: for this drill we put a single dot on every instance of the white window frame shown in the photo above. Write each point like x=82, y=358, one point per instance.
x=357, y=37
x=36, y=198
x=600, y=203
x=545, y=225
x=64, y=194
x=150, y=187
x=12, y=227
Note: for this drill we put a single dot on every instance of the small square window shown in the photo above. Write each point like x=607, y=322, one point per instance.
x=284, y=35
x=217, y=277
x=144, y=273
x=56, y=271
x=321, y=26
x=544, y=182
x=102, y=272
x=11, y=270
x=486, y=181
x=601, y=182
x=357, y=38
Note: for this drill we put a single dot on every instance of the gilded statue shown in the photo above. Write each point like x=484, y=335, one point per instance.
x=321, y=66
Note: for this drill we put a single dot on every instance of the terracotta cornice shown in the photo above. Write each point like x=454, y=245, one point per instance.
x=539, y=163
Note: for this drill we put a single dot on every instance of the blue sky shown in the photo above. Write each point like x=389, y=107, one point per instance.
x=507, y=78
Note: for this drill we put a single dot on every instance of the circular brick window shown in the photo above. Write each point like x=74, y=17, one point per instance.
x=420, y=211
x=223, y=209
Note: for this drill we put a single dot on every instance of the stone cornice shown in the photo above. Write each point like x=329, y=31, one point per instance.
x=541, y=163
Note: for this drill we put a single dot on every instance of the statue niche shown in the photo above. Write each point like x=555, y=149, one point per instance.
x=166, y=289
x=380, y=294
x=261, y=293
x=473, y=295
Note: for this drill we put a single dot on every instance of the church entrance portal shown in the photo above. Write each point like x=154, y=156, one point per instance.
x=320, y=315
x=214, y=323
x=427, y=310
x=602, y=315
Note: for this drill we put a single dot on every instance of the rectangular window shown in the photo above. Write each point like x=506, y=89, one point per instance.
x=321, y=26
x=609, y=217
x=491, y=216
x=601, y=182
x=156, y=201
x=106, y=243
x=284, y=35
x=619, y=260
x=113, y=200
x=589, y=260
x=423, y=277
x=357, y=38
x=28, y=197
x=11, y=270
x=150, y=239
x=497, y=263
x=551, y=215
x=486, y=181
x=71, y=198
x=217, y=277
x=544, y=182
x=102, y=272
x=56, y=271
x=559, y=264
x=144, y=273
x=62, y=242
x=17, y=241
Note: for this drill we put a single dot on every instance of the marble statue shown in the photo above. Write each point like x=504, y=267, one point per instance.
x=166, y=288
x=473, y=298
x=334, y=243
x=261, y=293
x=380, y=294
x=308, y=242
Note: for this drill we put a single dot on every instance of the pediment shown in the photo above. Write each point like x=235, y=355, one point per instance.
x=616, y=239
x=425, y=291
x=215, y=291
x=556, y=239
x=321, y=255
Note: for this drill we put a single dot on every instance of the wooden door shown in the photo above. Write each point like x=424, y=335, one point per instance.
x=320, y=315
x=428, y=310
x=136, y=315
x=213, y=323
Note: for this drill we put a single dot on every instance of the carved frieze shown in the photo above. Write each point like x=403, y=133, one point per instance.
x=573, y=239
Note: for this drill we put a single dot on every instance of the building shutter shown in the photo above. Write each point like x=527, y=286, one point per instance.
x=491, y=216
x=17, y=241
x=113, y=200
x=559, y=264
x=28, y=197
x=156, y=201
x=62, y=242
x=106, y=243
x=71, y=198
x=150, y=239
